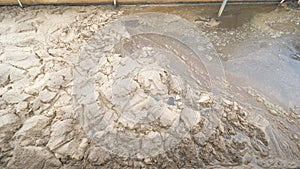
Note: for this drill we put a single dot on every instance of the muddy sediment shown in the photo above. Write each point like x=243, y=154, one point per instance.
x=253, y=123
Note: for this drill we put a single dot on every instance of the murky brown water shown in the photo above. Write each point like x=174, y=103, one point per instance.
x=235, y=15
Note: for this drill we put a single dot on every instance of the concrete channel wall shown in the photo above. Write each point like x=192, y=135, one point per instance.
x=34, y=2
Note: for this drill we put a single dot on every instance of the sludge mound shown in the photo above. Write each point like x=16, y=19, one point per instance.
x=147, y=94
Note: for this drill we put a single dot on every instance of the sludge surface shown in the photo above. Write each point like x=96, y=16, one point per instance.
x=245, y=128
